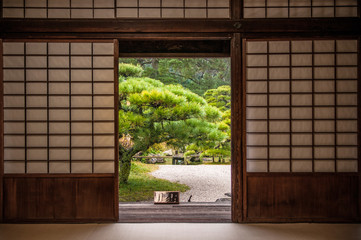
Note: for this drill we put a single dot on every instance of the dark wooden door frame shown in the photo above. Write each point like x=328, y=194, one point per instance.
x=235, y=54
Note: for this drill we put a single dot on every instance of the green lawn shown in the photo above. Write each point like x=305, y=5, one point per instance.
x=141, y=184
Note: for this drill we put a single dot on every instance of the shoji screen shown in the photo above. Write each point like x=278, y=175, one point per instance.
x=58, y=8
x=299, y=8
x=173, y=8
x=302, y=106
x=116, y=8
x=59, y=107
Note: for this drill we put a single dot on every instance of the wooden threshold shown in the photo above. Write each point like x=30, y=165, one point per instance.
x=175, y=213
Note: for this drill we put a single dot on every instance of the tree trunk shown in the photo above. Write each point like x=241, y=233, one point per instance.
x=125, y=161
x=124, y=168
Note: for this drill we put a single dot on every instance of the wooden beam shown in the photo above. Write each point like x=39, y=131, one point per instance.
x=236, y=128
x=1, y=132
x=70, y=27
x=359, y=123
x=174, y=48
x=116, y=129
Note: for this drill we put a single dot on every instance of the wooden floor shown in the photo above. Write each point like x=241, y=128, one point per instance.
x=177, y=213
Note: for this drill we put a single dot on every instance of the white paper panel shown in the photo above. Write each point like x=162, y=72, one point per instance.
x=58, y=101
x=14, y=154
x=104, y=167
x=347, y=152
x=13, y=101
x=58, y=62
x=36, y=127
x=14, y=167
x=81, y=114
x=59, y=154
x=81, y=167
x=279, y=166
x=36, y=48
x=81, y=141
x=81, y=75
x=14, y=127
x=103, y=114
x=302, y=139
x=256, y=152
x=13, y=47
x=14, y=114
x=302, y=86
x=257, y=139
x=59, y=167
x=324, y=152
x=103, y=127
x=82, y=101
x=58, y=48
x=81, y=154
x=13, y=74
x=104, y=141
x=301, y=166
x=37, y=141
x=14, y=141
x=37, y=167
x=347, y=166
x=59, y=127
x=104, y=154
x=301, y=126
x=103, y=75
x=36, y=115
x=100, y=101
x=256, y=113
x=81, y=127
x=59, y=141
x=59, y=114
x=279, y=139
x=37, y=154
x=256, y=166
x=301, y=152
x=324, y=166
x=58, y=75
x=36, y=75
x=279, y=153
x=279, y=126
x=36, y=101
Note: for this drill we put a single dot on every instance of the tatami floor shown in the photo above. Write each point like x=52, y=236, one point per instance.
x=186, y=231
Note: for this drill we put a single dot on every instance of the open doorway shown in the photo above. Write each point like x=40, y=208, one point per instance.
x=174, y=129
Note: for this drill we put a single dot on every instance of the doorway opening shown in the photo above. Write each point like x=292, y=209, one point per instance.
x=174, y=135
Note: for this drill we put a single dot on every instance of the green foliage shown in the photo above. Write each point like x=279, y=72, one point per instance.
x=198, y=74
x=220, y=97
x=141, y=185
x=127, y=70
x=189, y=153
x=152, y=112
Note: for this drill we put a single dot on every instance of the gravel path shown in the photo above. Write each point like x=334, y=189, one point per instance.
x=207, y=182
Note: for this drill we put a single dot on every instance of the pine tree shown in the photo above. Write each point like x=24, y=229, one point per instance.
x=151, y=112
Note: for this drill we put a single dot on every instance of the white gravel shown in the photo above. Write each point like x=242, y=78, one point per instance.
x=207, y=182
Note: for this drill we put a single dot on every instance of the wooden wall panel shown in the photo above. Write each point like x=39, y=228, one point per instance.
x=94, y=197
x=308, y=198
x=64, y=199
x=59, y=199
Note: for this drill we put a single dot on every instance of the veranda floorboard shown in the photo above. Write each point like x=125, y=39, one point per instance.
x=180, y=213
